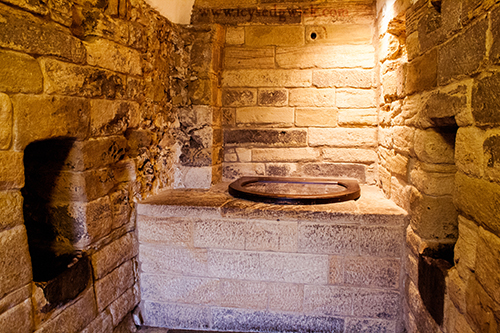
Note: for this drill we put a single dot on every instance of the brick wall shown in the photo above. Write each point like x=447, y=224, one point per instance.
x=298, y=90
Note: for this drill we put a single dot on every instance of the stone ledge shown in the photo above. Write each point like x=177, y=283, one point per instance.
x=372, y=208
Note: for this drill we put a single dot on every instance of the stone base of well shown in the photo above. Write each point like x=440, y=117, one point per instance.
x=210, y=261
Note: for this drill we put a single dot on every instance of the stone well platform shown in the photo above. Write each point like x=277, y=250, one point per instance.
x=209, y=261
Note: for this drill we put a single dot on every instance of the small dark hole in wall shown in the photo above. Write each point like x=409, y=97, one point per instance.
x=314, y=35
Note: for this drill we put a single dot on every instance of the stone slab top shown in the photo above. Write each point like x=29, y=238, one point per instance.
x=371, y=208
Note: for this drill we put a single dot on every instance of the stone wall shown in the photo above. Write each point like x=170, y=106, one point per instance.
x=438, y=124
x=298, y=90
x=91, y=94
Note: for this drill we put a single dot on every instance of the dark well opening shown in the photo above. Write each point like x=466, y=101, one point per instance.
x=58, y=268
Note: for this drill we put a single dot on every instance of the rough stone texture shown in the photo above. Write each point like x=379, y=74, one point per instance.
x=334, y=170
x=12, y=209
x=453, y=62
x=257, y=36
x=18, y=319
x=219, y=234
x=265, y=115
x=312, y=97
x=113, y=255
x=11, y=170
x=485, y=102
x=285, y=297
x=317, y=117
x=328, y=239
x=5, y=121
x=354, y=155
x=434, y=217
x=328, y=300
x=266, y=78
x=435, y=147
x=382, y=273
x=322, y=56
x=248, y=58
x=355, y=98
x=243, y=294
x=20, y=73
x=287, y=138
x=110, y=287
x=111, y=117
x=273, y=97
x=175, y=315
x=361, y=117
x=422, y=73
x=339, y=34
x=106, y=54
x=42, y=117
x=234, y=265
x=355, y=325
x=285, y=155
x=342, y=137
x=239, y=97
x=166, y=230
x=103, y=323
x=235, y=35
x=469, y=154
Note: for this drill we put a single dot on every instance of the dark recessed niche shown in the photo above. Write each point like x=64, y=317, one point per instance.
x=314, y=35
x=61, y=271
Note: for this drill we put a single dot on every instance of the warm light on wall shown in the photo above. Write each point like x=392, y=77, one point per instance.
x=177, y=11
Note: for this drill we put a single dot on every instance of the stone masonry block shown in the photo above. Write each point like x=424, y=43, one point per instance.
x=18, y=319
x=488, y=267
x=379, y=304
x=180, y=289
x=11, y=211
x=294, y=268
x=354, y=325
x=273, y=97
x=124, y=305
x=114, y=254
x=478, y=199
x=340, y=78
x=335, y=170
x=44, y=38
x=158, y=314
x=243, y=294
x=454, y=62
x=359, y=117
x=485, y=100
x=172, y=231
x=317, y=117
x=222, y=234
x=495, y=30
x=285, y=297
x=239, y=97
x=328, y=300
x=91, y=21
x=381, y=241
x=15, y=262
x=112, y=56
x=279, y=35
x=112, y=117
x=328, y=239
x=353, y=155
x=491, y=155
x=235, y=57
x=355, y=98
x=326, y=56
x=343, y=137
x=43, y=117
x=433, y=146
x=19, y=73
x=11, y=170
x=5, y=121
x=121, y=207
x=230, y=264
x=465, y=248
x=336, y=271
x=259, y=78
x=271, y=236
x=235, y=35
x=339, y=34
x=378, y=273
x=110, y=287
x=76, y=317
x=434, y=217
x=69, y=79
x=102, y=323
x=285, y=155
x=422, y=73
x=311, y=97
x=96, y=153
x=267, y=137
x=265, y=115
x=433, y=183
x=469, y=155
x=173, y=260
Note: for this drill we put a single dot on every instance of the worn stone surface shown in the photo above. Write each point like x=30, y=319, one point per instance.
x=435, y=147
x=44, y=38
x=109, y=55
x=339, y=34
x=381, y=273
x=285, y=155
x=354, y=325
x=20, y=73
x=312, y=97
x=266, y=78
x=342, y=137
x=422, y=73
x=265, y=115
x=219, y=234
x=113, y=255
x=285, y=297
x=176, y=315
x=173, y=260
x=114, y=284
x=335, y=170
x=112, y=117
x=42, y=117
x=231, y=264
x=317, y=117
x=487, y=268
x=283, y=35
x=349, y=155
x=326, y=56
x=434, y=217
x=485, y=102
x=288, y=138
x=11, y=170
x=469, y=150
x=381, y=241
x=294, y=268
x=235, y=35
x=166, y=230
x=12, y=209
x=273, y=97
x=328, y=300
x=360, y=117
x=328, y=239
x=248, y=57
x=243, y=294
x=18, y=319
x=5, y=121
x=101, y=324
x=239, y=97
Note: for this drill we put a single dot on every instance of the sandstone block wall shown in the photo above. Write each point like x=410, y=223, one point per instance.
x=90, y=97
x=438, y=65
x=298, y=89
